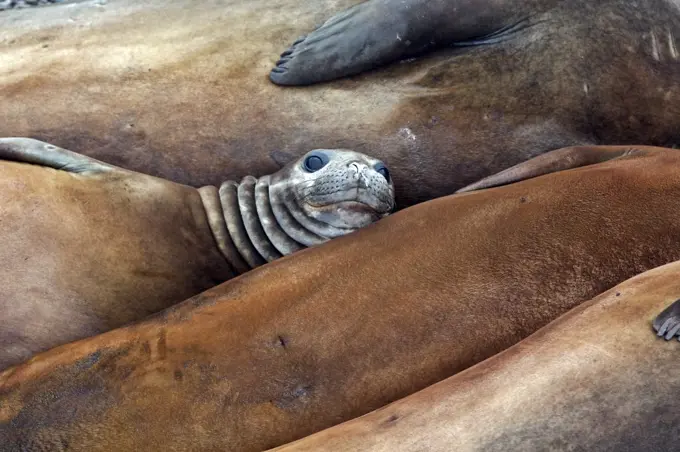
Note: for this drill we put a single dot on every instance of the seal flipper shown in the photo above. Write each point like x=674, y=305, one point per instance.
x=667, y=324
x=378, y=32
x=554, y=161
x=36, y=152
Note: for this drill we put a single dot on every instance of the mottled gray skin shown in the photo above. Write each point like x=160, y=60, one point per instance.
x=260, y=220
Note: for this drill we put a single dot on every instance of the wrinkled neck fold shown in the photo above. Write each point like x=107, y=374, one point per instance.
x=287, y=214
x=252, y=223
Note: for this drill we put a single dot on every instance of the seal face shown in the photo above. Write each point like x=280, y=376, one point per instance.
x=341, y=188
x=326, y=193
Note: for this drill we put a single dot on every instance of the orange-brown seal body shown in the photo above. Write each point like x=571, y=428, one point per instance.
x=89, y=250
x=598, y=378
x=180, y=89
x=335, y=331
x=86, y=247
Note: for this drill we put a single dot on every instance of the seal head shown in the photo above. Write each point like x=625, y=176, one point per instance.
x=325, y=194
x=332, y=192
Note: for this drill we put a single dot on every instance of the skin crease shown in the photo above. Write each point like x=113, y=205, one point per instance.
x=595, y=379
x=90, y=247
x=179, y=89
x=288, y=349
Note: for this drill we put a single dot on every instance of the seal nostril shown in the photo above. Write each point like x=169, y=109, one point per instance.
x=356, y=167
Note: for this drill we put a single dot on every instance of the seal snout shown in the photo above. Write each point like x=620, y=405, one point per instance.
x=359, y=181
x=359, y=172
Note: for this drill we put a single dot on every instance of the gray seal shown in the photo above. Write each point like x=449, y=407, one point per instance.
x=325, y=194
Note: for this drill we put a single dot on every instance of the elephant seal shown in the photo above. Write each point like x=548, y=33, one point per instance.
x=335, y=331
x=325, y=194
x=87, y=247
x=595, y=379
x=179, y=89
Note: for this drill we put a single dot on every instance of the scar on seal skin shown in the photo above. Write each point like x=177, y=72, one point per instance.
x=667, y=324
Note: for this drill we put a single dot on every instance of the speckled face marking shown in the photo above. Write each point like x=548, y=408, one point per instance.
x=325, y=194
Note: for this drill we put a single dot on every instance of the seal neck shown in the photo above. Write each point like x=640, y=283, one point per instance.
x=252, y=222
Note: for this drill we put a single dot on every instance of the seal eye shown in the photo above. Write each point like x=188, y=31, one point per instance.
x=315, y=162
x=382, y=169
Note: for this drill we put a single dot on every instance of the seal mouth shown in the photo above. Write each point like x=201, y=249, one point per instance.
x=356, y=206
x=355, y=200
x=347, y=215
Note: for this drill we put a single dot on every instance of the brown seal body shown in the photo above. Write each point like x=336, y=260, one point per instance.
x=335, y=331
x=597, y=378
x=83, y=252
x=87, y=247
x=180, y=89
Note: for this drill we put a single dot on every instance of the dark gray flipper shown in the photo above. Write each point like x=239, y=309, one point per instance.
x=378, y=32
x=36, y=152
x=667, y=324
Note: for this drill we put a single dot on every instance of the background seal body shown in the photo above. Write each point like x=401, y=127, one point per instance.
x=180, y=89
x=595, y=379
